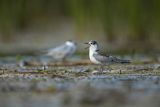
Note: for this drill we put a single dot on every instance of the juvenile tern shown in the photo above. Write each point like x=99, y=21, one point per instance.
x=102, y=60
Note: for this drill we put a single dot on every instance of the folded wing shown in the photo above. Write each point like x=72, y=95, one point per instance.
x=109, y=59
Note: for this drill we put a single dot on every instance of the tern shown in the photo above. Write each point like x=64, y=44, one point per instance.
x=63, y=51
x=97, y=58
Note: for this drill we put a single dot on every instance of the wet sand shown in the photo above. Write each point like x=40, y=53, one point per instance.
x=79, y=84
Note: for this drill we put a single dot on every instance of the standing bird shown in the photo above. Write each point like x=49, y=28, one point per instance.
x=97, y=58
x=63, y=51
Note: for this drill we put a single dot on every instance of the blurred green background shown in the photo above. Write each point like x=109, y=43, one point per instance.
x=125, y=26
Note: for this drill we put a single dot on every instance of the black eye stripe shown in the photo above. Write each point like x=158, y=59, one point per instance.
x=93, y=42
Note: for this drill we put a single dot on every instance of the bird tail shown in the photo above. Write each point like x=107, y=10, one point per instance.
x=125, y=61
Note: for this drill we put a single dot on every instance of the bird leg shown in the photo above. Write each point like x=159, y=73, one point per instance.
x=101, y=68
x=64, y=60
x=109, y=68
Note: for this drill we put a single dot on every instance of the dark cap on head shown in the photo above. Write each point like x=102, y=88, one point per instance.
x=93, y=42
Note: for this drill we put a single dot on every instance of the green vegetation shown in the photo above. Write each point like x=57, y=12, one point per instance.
x=136, y=21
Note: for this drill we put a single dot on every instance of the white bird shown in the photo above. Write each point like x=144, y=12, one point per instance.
x=97, y=58
x=63, y=51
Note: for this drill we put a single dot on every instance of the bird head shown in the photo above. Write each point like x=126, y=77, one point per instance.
x=93, y=45
x=70, y=43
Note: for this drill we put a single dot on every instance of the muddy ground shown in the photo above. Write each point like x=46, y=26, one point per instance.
x=79, y=83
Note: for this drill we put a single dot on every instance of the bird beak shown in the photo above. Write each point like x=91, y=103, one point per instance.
x=87, y=44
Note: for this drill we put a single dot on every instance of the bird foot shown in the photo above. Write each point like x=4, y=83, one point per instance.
x=95, y=71
x=107, y=71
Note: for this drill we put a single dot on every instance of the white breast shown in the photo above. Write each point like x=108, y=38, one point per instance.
x=92, y=58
